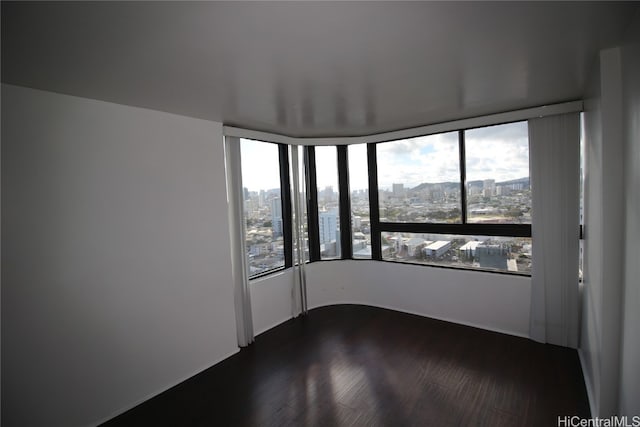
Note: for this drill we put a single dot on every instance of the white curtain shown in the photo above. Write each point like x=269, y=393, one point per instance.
x=555, y=179
x=235, y=202
x=299, y=290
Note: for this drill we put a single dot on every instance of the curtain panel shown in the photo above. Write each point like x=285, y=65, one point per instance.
x=554, y=146
x=242, y=292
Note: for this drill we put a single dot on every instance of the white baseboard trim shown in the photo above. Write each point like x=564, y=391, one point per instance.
x=273, y=325
x=471, y=324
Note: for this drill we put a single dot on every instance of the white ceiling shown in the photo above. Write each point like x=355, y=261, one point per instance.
x=312, y=68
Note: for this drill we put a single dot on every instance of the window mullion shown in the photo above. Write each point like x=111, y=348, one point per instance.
x=312, y=203
x=463, y=177
x=346, y=241
x=285, y=191
x=374, y=212
x=505, y=230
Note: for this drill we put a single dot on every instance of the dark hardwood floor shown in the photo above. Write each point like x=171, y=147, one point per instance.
x=357, y=365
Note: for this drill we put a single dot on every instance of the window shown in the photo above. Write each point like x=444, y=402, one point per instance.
x=457, y=199
x=266, y=207
x=419, y=179
x=359, y=188
x=328, y=197
x=498, y=253
x=497, y=166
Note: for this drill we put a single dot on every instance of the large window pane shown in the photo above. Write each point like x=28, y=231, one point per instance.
x=328, y=201
x=419, y=179
x=359, y=187
x=497, y=165
x=508, y=254
x=262, y=206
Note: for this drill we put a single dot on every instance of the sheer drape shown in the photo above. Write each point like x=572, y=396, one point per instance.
x=242, y=293
x=555, y=178
x=299, y=290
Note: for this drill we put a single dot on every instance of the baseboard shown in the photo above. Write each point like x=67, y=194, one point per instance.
x=588, y=384
x=445, y=319
x=269, y=327
x=156, y=393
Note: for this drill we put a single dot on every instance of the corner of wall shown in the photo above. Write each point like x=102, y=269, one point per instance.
x=629, y=390
x=589, y=350
x=588, y=382
x=600, y=352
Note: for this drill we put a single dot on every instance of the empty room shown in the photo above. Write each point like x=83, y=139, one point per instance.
x=320, y=213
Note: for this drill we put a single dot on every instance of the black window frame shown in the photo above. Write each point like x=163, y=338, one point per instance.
x=463, y=228
x=344, y=204
x=376, y=226
x=346, y=242
x=313, y=225
x=285, y=200
x=285, y=197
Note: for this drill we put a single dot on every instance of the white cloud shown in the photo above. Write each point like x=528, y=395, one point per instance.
x=411, y=162
x=260, y=165
x=495, y=152
x=358, y=169
x=327, y=167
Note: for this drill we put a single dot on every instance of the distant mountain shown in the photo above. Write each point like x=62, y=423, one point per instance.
x=438, y=185
x=455, y=185
x=524, y=181
x=477, y=183
x=480, y=183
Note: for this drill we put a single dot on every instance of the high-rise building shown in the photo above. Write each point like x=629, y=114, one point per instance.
x=328, y=225
x=398, y=190
x=328, y=194
x=276, y=216
x=488, y=187
x=492, y=256
x=356, y=222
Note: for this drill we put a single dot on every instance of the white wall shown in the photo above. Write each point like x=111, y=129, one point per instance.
x=497, y=302
x=610, y=344
x=271, y=300
x=630, y=346
x=491, y=301
x=613, y=229
x=604, y=232
x=116, y=280
x=592, y=271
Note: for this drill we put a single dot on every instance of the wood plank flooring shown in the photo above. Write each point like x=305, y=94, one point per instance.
x=351, y=365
